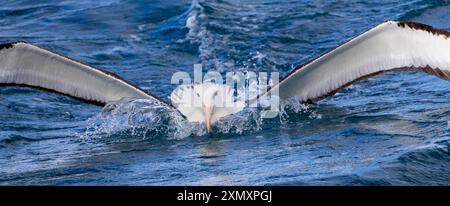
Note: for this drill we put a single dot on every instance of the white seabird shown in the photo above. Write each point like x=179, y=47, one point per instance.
x=389, y=46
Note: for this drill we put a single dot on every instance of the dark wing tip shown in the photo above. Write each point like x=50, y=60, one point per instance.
x=6, y=46
x=10, y=44
x=423, y=27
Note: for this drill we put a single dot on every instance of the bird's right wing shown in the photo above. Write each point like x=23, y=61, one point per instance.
x=389, y=46
x=24, y=64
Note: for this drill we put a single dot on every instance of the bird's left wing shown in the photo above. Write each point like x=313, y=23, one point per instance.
x=389, y=46
x=25, y=64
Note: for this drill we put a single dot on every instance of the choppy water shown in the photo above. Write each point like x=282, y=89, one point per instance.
x=392, y=129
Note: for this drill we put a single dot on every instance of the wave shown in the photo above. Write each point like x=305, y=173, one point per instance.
x=213, y=27
x=427, y=166
x=419, y=8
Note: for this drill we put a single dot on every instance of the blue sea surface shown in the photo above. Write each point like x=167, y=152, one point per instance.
x=392, y=129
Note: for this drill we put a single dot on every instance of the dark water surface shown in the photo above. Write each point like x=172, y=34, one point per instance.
x=391, y=129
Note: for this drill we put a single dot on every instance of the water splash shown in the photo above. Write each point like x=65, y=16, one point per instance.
x=292, y=110
x=140, y=118
x=148, y=119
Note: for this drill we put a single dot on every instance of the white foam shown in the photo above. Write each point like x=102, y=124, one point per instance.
x=149, y=119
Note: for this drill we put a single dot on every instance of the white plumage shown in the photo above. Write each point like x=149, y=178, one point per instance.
x=28, y=65
x=206, y=102
x=389, y=46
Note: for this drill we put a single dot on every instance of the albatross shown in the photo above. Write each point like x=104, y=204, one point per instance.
x=390, y=46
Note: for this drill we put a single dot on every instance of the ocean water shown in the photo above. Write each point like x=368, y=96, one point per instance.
x=393, y=129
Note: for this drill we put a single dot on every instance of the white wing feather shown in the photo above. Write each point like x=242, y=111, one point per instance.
x=389, y=46
x=28, y=65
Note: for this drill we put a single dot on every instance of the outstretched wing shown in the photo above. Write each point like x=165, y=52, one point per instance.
x=389, y=46
x=24, y=64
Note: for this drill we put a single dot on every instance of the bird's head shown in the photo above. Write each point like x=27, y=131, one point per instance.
x=206, y=102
